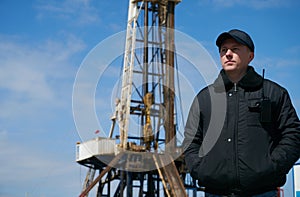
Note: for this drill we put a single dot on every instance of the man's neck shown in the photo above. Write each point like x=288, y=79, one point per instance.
x=234, y=76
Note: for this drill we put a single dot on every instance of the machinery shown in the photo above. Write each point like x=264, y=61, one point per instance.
x=141, y=156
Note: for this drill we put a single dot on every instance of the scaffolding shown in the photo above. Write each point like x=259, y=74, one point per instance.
x=145, y=160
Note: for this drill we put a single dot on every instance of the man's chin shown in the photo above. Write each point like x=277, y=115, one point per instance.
x=229, y=68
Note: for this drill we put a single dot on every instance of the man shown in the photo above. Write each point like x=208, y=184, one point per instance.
x=259, y=138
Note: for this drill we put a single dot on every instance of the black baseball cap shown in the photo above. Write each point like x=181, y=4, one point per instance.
x=240, y=36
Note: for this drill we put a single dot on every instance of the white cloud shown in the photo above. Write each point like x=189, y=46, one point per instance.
x=35, y=87
x=294, y=50
x=256, y=4
x=35, y=76
x=33, y=170
x=79, y=11
x=276, y=62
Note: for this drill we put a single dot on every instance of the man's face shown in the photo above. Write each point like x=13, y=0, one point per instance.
x=234, y=56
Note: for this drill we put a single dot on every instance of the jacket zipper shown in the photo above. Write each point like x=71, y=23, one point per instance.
x=235, y=89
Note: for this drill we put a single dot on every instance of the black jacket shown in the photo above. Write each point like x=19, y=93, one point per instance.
x=252, y=135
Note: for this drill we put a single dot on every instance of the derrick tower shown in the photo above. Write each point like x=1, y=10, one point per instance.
x=141, y=155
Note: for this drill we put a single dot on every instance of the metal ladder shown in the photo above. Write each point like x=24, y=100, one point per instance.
x=127, y=76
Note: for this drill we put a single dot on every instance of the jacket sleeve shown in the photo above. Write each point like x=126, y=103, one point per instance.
x=193, y=139
x=287, y=152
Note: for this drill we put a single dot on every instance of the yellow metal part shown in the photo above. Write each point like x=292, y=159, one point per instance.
x=147, y=131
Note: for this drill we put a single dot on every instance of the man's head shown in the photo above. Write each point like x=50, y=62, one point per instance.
x=236, y=52
x=238, y=35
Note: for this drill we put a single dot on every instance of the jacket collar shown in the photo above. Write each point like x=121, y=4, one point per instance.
x=251, y=81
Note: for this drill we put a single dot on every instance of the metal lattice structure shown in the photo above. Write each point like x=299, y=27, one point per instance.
x=141, y=159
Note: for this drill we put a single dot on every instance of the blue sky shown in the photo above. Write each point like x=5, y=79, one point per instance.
x=43, y=43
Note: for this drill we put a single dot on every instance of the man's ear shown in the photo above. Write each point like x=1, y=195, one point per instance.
x=251, y=56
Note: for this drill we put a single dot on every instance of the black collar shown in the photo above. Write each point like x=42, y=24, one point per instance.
x=251, y=81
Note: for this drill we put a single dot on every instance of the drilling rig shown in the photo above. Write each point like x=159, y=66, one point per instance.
x=144, y=158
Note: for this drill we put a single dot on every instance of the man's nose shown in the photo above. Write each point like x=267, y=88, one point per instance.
x=229, y=52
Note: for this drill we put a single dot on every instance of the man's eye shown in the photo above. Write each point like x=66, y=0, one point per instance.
x=223, y=50
x=235, y=49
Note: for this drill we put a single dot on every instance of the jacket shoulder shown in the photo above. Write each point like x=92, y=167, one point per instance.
x=274, y=88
